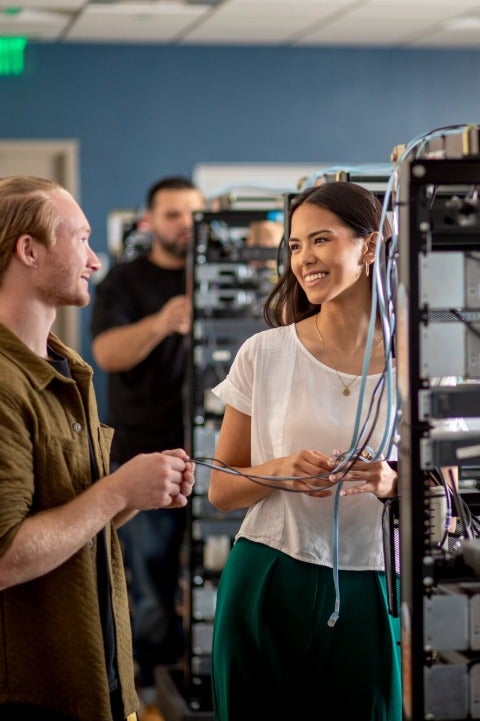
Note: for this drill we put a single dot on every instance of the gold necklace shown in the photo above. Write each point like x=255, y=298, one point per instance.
x=346, y=387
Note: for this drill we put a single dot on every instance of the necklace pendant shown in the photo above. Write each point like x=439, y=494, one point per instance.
x=346, y=392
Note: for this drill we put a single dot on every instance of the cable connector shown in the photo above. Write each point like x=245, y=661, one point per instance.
x=335, y=615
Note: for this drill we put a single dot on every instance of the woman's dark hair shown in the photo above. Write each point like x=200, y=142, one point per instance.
x=358, y=208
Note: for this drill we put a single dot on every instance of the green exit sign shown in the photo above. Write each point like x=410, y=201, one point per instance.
x=12, y=56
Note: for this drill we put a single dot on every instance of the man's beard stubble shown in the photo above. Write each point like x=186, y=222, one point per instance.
x=178, y=250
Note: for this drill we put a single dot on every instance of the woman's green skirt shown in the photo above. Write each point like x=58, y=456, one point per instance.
x=274, y=656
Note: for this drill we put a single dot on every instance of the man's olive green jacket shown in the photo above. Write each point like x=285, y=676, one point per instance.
x=51, y=645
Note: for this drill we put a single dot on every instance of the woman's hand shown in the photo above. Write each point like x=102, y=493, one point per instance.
x=370, y=476
x=316, y=468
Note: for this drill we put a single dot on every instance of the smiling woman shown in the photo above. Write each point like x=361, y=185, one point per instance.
x=314, y=509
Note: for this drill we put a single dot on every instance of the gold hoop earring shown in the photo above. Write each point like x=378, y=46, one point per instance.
x=367, y=268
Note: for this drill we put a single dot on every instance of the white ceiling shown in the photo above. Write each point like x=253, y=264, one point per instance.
x=292, y=23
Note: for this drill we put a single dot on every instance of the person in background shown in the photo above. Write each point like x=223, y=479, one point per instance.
x=65, y=638
x=291, y=395
x=141, y=314
x=265, y=233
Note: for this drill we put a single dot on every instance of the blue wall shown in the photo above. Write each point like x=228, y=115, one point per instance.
x=142, y=111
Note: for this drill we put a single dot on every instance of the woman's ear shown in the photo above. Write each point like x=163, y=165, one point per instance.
x=371, y=241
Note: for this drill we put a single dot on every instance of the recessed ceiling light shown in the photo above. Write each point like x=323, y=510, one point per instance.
x=31, y=16
x=469, y=22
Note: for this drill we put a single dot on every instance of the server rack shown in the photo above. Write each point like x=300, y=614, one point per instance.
x=229, y=280
x=437, y=338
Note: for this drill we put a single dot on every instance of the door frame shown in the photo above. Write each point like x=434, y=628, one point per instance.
x=63, y=155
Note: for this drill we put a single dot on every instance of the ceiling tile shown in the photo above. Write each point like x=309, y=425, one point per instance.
x=134, y=22
x=247, y=21
x=381, y=23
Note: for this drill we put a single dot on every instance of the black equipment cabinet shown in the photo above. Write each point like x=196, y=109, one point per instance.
x=437, y=338
x=229, y=280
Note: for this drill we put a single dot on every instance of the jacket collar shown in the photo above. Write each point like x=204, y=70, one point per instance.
x=39, y=371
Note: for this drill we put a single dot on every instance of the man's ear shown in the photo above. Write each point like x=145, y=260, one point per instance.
x=26, y=251
x=146, y=221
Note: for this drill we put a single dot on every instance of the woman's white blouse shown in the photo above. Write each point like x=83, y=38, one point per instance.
x=296, y=402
